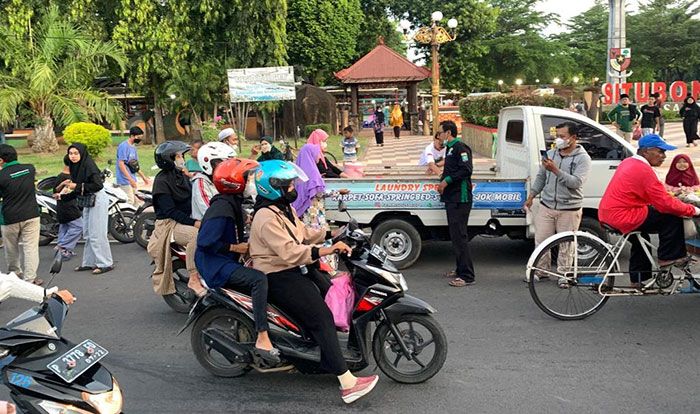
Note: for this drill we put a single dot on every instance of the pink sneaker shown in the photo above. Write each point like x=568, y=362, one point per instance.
x=364, y=386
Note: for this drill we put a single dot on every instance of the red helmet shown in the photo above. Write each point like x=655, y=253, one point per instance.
x=231, y=176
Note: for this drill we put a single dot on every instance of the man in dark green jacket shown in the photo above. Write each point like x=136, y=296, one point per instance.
x=625, y=117
x=456, y=192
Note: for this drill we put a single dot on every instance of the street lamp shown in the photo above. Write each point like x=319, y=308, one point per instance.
x=576, y=79
x=436, y=35
x=519, y=82
x=537, y=81
x=556, y=81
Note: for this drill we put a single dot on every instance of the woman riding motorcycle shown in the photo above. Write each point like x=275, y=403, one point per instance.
x=172, y=194
x=282, y=247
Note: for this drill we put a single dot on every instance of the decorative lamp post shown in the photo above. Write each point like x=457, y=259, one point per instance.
x=500, y=84
x=576, y=79
x=556, y=81
x=519, y=82
x=436, y=35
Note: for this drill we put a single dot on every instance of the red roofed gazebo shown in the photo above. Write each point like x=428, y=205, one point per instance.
x=384, y=67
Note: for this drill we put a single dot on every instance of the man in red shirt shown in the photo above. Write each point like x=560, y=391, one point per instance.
x=636, y=200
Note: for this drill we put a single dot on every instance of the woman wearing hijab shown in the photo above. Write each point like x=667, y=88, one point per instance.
x=378, y=126
x=690, y=112
x=269, y=151
x=86, y=185
x=172, y=202
x=319, y=138
x=309, y=204
x=396, y=120
x=681, y=174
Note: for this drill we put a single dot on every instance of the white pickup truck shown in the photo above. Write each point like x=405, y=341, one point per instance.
x=402, y=206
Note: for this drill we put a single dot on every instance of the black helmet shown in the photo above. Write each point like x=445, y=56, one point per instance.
x=165, y=153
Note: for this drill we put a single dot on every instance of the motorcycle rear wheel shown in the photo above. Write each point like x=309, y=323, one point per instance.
x=141, y=234
x=236, y=325
x=388, y=354
x=121, y=227
x=48, y=229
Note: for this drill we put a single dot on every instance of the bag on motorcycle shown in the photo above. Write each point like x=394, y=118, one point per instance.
x=340, y=300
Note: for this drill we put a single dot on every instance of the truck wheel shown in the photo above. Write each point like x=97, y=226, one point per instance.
x=591, y=225
x=401, y=241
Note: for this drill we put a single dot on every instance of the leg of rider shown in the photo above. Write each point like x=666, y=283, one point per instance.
x=299, y=297
x=640, y=266
x=567, y=221
x=671, y=234
x=258, y=284
x=187, y=236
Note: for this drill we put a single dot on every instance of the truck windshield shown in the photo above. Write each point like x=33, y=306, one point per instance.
x=597, y=143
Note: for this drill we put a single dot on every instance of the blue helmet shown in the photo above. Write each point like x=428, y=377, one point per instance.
x=274, y=176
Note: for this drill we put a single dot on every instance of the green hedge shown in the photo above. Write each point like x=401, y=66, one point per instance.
x=671, y=115
x=484, y=110
x=95, y=137
x=310, y=128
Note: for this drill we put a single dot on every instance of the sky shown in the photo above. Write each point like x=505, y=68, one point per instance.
x=570, y=8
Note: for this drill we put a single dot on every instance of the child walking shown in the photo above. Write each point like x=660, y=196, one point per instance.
x=69, y=216
x=349, y=145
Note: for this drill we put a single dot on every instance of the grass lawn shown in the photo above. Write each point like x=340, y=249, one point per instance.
x=48, y=165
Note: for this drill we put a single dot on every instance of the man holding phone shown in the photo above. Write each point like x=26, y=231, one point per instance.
x=559, y=183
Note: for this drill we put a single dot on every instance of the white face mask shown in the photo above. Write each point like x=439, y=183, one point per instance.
x=250, y=190
x=324, y=145
x=179, y=163
x=561, y=143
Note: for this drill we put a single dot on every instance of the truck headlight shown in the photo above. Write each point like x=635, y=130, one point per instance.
x=106, y=402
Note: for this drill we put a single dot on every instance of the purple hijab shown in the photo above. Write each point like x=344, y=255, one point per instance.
x=306, y=160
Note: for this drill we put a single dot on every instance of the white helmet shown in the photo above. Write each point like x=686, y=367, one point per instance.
x=213, y=151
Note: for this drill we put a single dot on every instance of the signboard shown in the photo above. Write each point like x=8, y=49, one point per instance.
x=639, y=91
x=417, y=195
x=261, y=84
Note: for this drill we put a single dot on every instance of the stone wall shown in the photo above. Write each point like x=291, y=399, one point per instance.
x=479, y=138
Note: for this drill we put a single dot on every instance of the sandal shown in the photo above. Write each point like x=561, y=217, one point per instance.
x=459, y=282
x=451, y=274
x=101, y=270
x=271, y=357
x=84, y=268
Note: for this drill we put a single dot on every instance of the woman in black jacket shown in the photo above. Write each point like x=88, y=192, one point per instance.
x=68, y=215
x=690, y=112
x=86, y=185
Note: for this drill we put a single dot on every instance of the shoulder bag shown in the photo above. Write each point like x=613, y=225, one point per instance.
x=85, y=200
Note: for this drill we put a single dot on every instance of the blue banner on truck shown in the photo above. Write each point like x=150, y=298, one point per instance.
x=505, y=195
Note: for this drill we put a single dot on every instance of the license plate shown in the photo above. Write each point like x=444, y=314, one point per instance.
x=378, y=253
x=75, y=362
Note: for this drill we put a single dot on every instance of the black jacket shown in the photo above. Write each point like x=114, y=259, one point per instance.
x=66, y=210
x=18, y=193
x=457, y=173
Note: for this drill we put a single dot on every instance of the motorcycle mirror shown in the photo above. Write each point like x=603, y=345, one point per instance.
x=342, y=207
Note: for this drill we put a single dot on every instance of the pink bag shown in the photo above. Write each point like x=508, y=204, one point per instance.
x=340, y=300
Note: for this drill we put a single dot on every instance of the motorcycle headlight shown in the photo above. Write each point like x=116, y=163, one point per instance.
x=106, y=402
x=52, y=407
x=395, y=278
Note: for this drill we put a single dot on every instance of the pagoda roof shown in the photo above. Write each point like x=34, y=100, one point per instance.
x=382, y=65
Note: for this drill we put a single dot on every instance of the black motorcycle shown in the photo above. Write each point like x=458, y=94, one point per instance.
x=46, y=373
x=145, y=218
x=408, y=345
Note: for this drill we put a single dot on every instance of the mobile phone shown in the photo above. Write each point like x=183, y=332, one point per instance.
x=543, y=153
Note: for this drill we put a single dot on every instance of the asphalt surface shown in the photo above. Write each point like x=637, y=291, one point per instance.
x=505, y=355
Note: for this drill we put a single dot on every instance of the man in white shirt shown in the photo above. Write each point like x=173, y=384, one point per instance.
x=433, y=156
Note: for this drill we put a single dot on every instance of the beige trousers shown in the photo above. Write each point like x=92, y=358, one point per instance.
x=22, y=236
x=129, y=190
x=626, y=135
x=187, y=236
x=549, y=222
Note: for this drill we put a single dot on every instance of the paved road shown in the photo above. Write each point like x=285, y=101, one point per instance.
x=505, y=355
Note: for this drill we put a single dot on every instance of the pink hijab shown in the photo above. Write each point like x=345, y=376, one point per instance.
x=316, y=138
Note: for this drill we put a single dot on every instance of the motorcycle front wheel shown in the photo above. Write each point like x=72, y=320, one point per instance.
x=237, y=326
x=425, y=342
x=141, y=233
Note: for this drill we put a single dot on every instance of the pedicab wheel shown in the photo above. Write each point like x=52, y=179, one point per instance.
x=562, y=293
x=232, y=323
x=425, y=341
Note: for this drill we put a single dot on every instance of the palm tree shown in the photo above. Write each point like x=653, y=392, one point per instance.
x=52, y=72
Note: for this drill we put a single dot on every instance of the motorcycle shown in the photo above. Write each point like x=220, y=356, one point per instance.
x=145, y=218
x=121, y=213
x=408, y=345
x=181, y=301
x=47, y=373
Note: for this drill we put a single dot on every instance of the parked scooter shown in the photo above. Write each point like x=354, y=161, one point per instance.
x=47, y=373
x=145, y=218
x=408, y=345
x=48, y=230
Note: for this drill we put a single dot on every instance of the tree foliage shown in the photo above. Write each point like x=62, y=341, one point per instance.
x=323, y=36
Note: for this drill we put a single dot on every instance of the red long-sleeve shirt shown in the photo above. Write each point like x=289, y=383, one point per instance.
x=632, y=189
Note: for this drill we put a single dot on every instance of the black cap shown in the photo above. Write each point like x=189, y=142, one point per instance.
x=134, y=130
x=624, y=95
